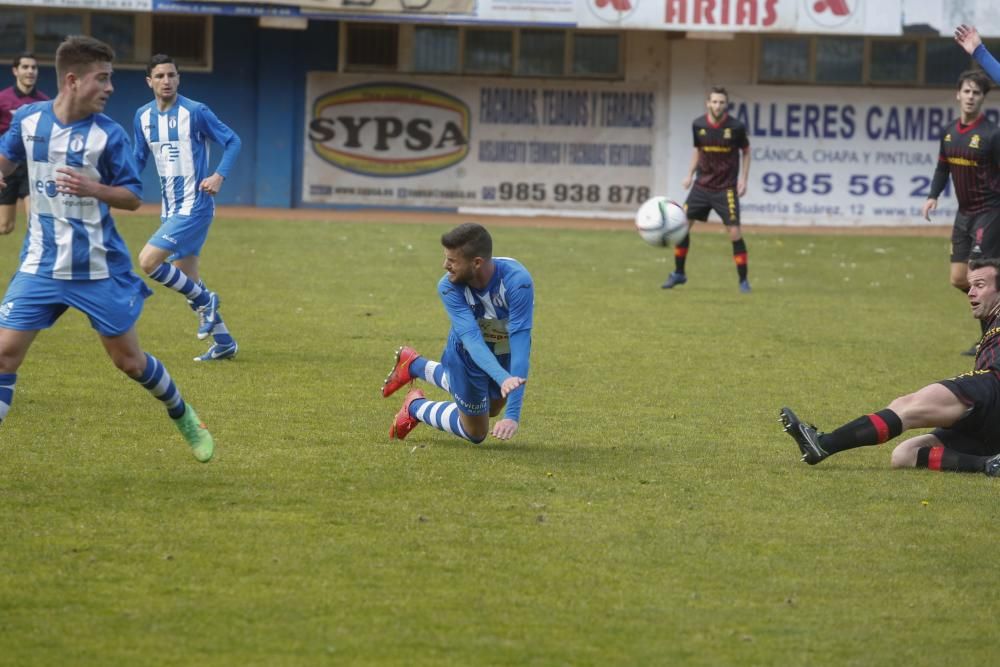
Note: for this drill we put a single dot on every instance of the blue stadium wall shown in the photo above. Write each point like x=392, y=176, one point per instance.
x=257, y=87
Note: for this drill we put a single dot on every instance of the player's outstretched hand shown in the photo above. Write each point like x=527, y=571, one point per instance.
x=968, y=38
x=510, y=384
x=505, y=429
x=926, y=209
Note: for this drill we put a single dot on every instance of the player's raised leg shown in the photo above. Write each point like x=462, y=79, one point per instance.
x=150, y=372
x=410, y=366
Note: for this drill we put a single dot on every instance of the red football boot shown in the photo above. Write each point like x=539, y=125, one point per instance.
x=403, y=422
x=400, y=373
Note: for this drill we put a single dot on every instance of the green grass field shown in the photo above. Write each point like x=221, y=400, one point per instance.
x=649, y=512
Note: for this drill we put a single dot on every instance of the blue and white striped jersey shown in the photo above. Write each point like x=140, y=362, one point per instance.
x=71, y=237
x=178, y=141
x=504, y=307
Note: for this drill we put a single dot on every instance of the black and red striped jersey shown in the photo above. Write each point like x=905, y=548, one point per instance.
x=988, y=354
x=719, y=145
x=971, y=155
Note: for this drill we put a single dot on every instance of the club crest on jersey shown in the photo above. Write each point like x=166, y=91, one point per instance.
x=974, y=141
x=172, y=122
x=76, y=143
x=389, y=129
x=947, y=137
x=727, y=133
x=702, y=132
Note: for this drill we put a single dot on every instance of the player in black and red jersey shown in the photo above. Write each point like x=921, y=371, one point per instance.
x=965, y=409
x=970, y=155
x=719, y=142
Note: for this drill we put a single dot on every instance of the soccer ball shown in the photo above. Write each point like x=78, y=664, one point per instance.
x=661, y=221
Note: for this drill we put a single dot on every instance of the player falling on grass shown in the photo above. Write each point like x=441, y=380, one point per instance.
x=22, y=92
x=176, y=132
x=73, y=256
x=970, y=155
x=490, y=303
x=965, y=409
x=719, y=141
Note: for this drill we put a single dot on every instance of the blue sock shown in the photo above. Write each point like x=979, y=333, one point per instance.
x=157, y=380
x=220, y=334
x=7, y=382
x=430, y=371
x=170, y=276
x=442, y=415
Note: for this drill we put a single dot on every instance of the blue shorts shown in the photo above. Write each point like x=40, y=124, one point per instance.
x=111, y=304
x=471, y=387
x=182, y=235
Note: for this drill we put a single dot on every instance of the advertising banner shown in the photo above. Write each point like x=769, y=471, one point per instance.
x=841, y=157
x=118, y=5
x=364, y=6
x=446, y=142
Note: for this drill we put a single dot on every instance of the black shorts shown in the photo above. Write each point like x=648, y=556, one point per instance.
x=17, y=186
x=975, y=236
x=978, y=432
x=701, y=202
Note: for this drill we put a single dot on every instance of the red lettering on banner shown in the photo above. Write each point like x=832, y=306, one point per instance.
x=676, y=11
x=717, y=12
x=703, y=11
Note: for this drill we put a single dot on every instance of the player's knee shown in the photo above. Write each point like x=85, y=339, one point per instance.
x=6, y=224
x=148, y=263
x=904, y=456
x=477, y=438
x=131, y=365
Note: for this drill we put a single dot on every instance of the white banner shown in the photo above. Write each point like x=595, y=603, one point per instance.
x=122, y=5
x=453, y=143
x=365, y=6
x=845, y=156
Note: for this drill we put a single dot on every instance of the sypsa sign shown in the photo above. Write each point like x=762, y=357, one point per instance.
x=389, y=129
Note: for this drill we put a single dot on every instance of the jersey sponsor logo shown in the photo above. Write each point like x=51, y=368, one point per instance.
x=717, y=149
x=35, y=138
x=390, y=129
x=170, y=152
x=962, y=162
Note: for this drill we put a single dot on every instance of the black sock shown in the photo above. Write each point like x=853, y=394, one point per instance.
x=740, y=257
x=942, y=458
x=873, y=429
x=681, y=253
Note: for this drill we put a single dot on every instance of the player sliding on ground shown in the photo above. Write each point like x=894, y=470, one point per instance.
x=965, y=409
x=490, y=302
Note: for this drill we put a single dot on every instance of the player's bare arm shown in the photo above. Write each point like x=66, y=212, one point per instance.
x=926, y=209
x=692, y=168
x=741, y=187
x=212, y=184
x=968, y=38
x=72, y=182
x=6, y=169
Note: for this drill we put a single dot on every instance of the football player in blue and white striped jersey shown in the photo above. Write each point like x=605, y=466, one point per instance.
x=79, y=167
x=176, y=131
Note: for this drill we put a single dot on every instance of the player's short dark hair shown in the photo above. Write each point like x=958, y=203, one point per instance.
x=79, y=51
x=975, y=264
x=159, y=59
x=471, y=239
x=976, y=76
x=20, y=56
x=718, y=90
